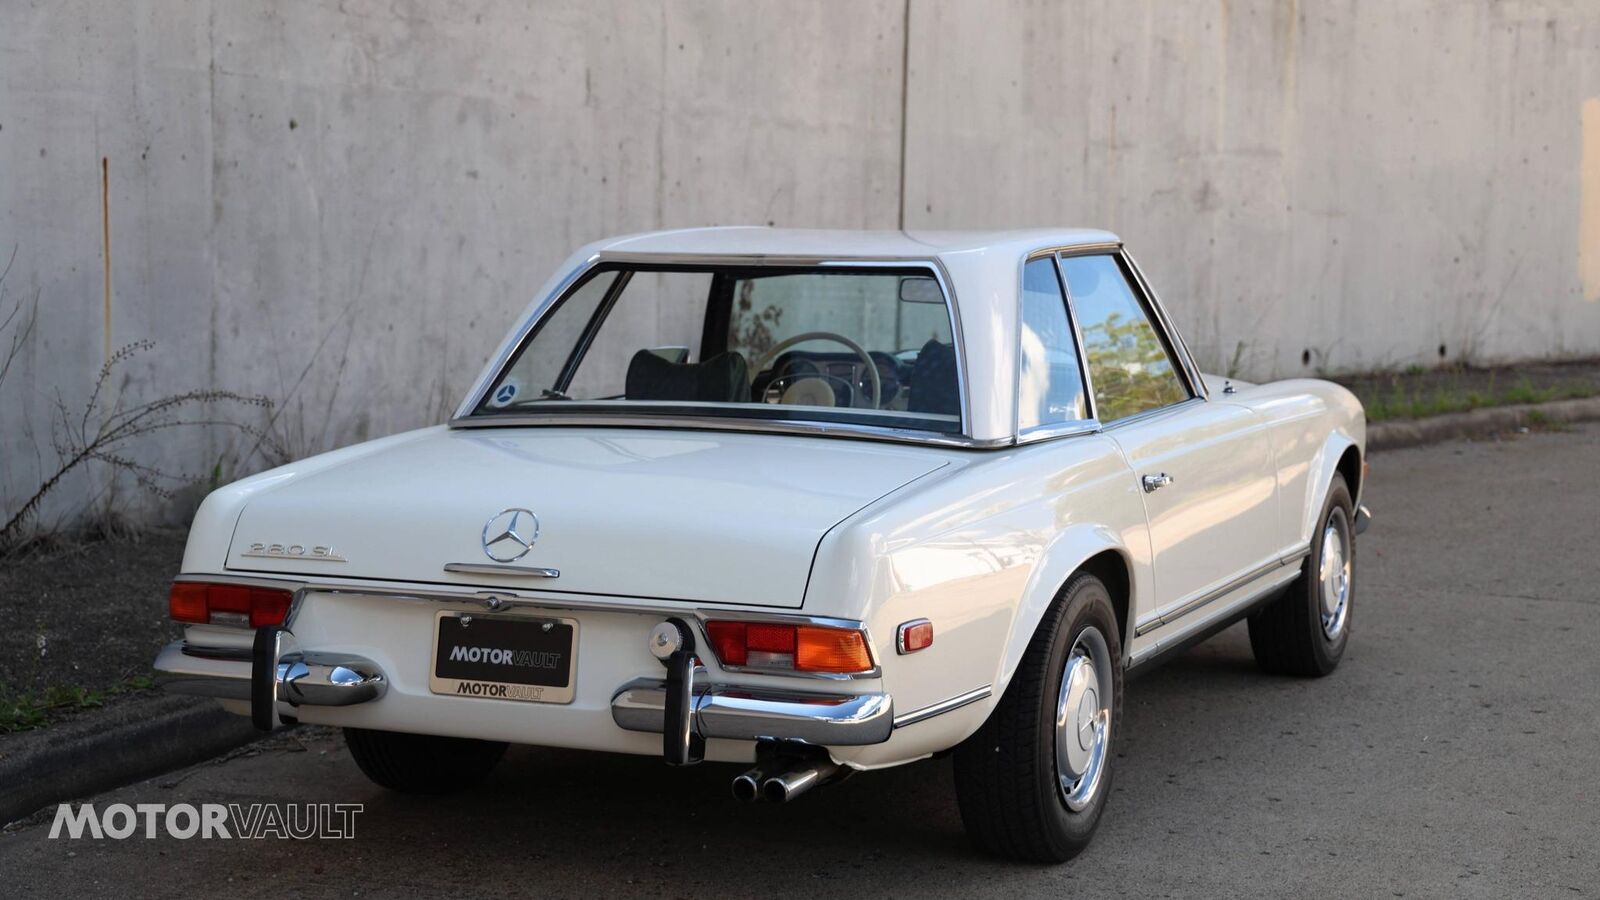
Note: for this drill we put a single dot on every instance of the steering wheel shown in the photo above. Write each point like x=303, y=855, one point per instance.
x=866, y=358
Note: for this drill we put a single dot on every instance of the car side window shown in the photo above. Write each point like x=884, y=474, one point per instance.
x=1129, y=366
x=1049, y=380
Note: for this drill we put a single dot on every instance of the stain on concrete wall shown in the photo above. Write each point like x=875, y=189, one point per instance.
x=1589, y=202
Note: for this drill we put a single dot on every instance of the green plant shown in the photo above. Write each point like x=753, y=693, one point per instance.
x=20, y=712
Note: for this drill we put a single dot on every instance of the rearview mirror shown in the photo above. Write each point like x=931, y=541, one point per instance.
x=919, y=289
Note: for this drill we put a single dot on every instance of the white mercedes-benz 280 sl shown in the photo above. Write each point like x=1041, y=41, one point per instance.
x=811, y=501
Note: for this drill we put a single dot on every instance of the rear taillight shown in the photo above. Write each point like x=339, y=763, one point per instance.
x=204, y=603
x=778, y=647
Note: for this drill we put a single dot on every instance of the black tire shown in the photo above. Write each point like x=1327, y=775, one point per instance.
x=422, y=763
x=1288, y=637
x=1012, y=801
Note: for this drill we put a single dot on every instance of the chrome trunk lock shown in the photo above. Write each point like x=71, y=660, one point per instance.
x=665, y=639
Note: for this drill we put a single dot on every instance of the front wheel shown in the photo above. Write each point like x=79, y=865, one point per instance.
x=1033, y=781
x=1304, y=632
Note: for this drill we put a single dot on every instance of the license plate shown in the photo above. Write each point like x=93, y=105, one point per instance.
x=504, y=657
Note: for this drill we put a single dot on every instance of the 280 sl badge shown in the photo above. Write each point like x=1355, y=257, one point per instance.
x=314, y=553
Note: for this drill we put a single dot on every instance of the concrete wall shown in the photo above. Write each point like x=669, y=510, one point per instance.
x=1312, y=186
x=343, y=205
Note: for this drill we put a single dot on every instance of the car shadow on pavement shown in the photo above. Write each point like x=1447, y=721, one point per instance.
x=599, y=811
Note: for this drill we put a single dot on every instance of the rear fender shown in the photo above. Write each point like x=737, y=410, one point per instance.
x=1065, y=556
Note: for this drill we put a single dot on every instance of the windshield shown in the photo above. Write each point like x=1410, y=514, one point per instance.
x=835, y=344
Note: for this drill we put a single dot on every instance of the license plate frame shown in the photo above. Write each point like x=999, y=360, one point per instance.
x=508, y=643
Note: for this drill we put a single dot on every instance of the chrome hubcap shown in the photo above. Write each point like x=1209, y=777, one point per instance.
x=1083, y=719
x=1335, y=575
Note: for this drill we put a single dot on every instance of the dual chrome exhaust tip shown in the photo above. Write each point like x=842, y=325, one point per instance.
x=782, y=782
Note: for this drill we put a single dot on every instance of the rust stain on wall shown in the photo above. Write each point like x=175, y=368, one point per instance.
x=1589, y=202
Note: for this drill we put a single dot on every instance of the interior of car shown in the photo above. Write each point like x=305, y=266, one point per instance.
x=867, y=342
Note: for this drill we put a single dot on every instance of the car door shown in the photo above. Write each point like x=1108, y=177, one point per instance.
x=1204, y=469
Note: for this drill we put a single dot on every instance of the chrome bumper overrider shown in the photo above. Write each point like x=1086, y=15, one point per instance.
x=301, y=678
x=721, y=711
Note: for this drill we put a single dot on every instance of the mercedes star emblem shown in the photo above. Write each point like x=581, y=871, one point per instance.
x=510, y=535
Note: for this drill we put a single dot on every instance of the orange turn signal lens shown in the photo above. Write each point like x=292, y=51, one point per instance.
x=830, y=650
x=780, y=647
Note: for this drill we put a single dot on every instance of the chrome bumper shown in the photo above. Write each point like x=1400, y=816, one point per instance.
x=748, y=714
x=311, y=678
x=304, y=678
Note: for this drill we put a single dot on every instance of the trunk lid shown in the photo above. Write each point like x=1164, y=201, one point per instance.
x=705, y=517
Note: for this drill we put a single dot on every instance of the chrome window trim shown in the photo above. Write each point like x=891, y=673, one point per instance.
x=1142, y=286
x=509, y=347
x=735, y=423
x=1188, y=377
x=1088, y=425
x=1151, y=413
x=463, y=417
x=1041, y=433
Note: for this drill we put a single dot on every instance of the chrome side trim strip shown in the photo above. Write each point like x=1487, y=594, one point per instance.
x=486, y=569
x=944, y=706
x=1151, y=623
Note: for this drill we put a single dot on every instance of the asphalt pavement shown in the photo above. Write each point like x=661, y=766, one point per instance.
x=1453, y=754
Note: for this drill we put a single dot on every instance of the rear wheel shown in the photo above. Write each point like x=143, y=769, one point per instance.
x=422, y=763
x=1033, y=781
x=1304, y=632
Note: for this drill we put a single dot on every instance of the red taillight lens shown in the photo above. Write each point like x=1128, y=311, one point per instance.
x=268, y=606
x=792, y=648
x=187, y=602
x=198, y=601
x=769, y=638
x=727, y=640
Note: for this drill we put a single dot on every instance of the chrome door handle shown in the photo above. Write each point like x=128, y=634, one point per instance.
x=1153, y=483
